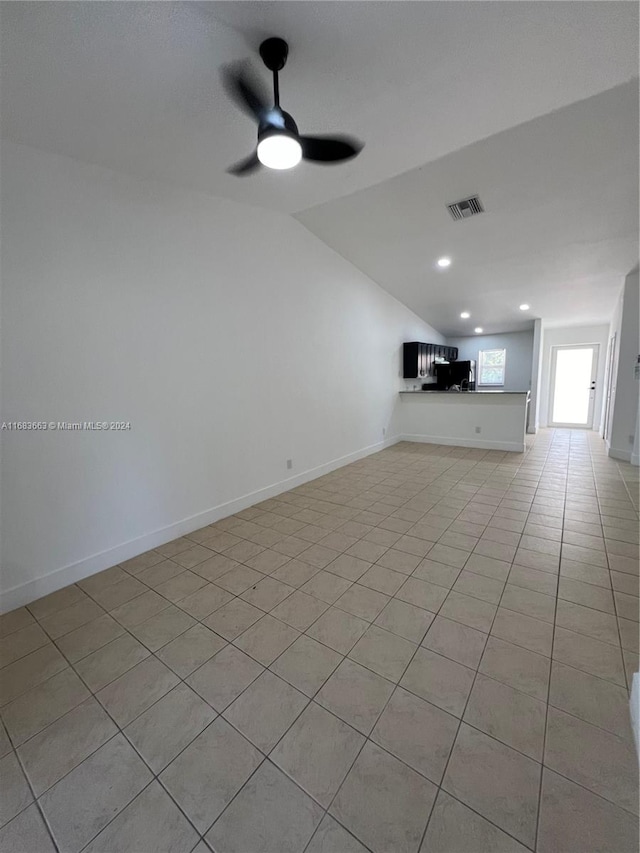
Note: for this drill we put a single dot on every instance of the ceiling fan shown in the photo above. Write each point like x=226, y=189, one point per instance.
x=280, y=145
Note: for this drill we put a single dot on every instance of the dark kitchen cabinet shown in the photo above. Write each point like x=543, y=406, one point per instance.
x=419, y=358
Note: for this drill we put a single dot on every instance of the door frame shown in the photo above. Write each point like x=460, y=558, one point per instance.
x=552, y=384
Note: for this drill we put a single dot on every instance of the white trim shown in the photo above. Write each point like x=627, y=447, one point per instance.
x=24, y=593
x=622, y=455
x=514, y=446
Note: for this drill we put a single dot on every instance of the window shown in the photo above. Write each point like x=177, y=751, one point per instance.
x=492, y=366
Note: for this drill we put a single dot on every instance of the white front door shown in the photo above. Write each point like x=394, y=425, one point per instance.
x=573, y=385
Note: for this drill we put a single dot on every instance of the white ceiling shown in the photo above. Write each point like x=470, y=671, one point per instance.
x=559, y=232
x=135, y=87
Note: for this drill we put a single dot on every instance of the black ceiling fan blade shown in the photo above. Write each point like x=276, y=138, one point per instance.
x=246, y=90
x=245, y=167
x=330, y=149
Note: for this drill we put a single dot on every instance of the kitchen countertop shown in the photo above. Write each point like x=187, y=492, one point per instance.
x=462, y=393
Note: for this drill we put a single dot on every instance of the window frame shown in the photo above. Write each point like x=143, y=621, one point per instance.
x=481, y=366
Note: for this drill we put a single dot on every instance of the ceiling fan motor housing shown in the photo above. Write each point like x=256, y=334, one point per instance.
x=274, y=52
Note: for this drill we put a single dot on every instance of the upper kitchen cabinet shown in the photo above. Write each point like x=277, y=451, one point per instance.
x=419, y=358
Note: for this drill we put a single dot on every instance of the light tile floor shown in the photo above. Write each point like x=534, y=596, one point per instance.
x=427, y=650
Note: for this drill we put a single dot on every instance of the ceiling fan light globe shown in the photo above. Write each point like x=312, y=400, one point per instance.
x=279, y=151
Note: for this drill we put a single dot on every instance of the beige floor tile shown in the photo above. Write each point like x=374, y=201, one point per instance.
x=82, y=803
x=583, y=572
x=405, y=620
x=449, y=556
x=586, y=620
x=56, y=601
x=204, y=601
x=26, y=833
x=265, y=710
x=496, y=781
x=318, y=556
x=574, y=820
x=628, y=584
x=383, y=652
x=317, y=752
x=190, y=650
x=64, y=744
x=64, y=621
x=585, y=555
x=114, y=595
x=516, y=719
x=140, y=609
x=143, y=561
x=487, y=566
x=479, y=586
x=362, y=602
x=177, y=546
x=105, y=665
x=399, y=561
x=290, y=546
x=384, y=803
x=233, y=618
x=215, y=567
x=592, y=757
x=543, y=582
x=356, y=695
x=21, y=643
x=161, y=629
x=592, y=699
x=33, y=669
x=534, y=604
x=347, y=567
x=268, y=561
x=15, y=620
x=16, y=794
x=5, y=743
x=330, y=837
x=207, y=775
x=523, y=631
x=299, y=610
x=167, y=727
x=88, y=638
x=519, y=668
x=495, y=550
x=469, y=611
x=422, y=594
x=240, y=579
x=180, y=586
x=270, y=812
x=192, y=556
x=368, y=551
x=439, y=680
x=417, y=733
x=295, y=573
x=154, y=576
x=267, y=593
x=266, y=639
x=455, y=641
x=454, y=828
x=326, y=587
x=306, y=665
x=436, y=573
x=223, y=678
x=382, y=580
x=627, y=606
x=135, y=691
x=151, y=822
x=589, y=655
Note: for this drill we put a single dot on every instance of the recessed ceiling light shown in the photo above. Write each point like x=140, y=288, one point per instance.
x=524, y=307
x=465, y=315
x=478, y=330
x=444, y=262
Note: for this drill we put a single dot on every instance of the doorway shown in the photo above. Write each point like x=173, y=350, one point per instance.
x=573, y=385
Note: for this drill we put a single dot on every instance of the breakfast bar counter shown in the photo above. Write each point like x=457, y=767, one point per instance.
x=491, y=420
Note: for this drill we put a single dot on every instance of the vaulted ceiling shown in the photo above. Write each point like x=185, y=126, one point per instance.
x=524, y=103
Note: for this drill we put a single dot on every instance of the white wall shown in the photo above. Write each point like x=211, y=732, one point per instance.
x=624, y=398
x=568, y=336
x=230, y=337
x=519, y=347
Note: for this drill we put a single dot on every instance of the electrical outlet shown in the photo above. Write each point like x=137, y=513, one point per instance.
x=289, y=464
x=478, y=429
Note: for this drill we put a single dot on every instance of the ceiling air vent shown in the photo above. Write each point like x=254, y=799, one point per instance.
x=466, y=208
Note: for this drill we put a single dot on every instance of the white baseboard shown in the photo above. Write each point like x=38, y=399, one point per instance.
x=481, y=444
x=622, y=455
x=27, y=592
